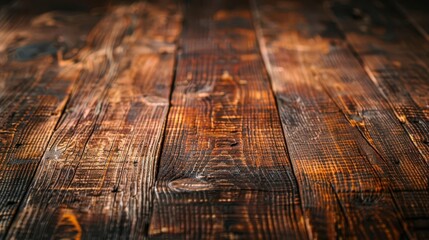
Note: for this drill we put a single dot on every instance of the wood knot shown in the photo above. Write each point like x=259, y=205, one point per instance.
x=190, y=185
x=153, y=100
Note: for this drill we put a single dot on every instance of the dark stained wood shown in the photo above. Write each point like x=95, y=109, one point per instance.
x=417, y=12
x=95, y=177
x=395, y=56
x=264, y=119
x=362, y=152
x=224, y=170
x=35, y=84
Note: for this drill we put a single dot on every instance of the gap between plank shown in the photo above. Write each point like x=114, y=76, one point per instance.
x=263, y=53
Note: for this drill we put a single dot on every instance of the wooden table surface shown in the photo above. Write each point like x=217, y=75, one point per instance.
x=244, y=119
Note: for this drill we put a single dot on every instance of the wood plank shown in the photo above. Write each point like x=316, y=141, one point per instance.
x=95, y=178
x=322, y=49
x=224, y=170
x=346, y=82
x=395, y=56
x=414, y=206
x=34, y=86
x=347, y=147
x=416, y=12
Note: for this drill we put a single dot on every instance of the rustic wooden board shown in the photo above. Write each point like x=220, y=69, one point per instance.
x=395, y=56
x=328, y=139
x=362, y=152
x=319, y=46
x=34, y=87
x=95, y=177
x=224, y=170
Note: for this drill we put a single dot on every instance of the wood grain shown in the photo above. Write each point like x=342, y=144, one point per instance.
x=34, y=87
x=394, y=55
x=339, y=78
x=341, y=133
x=224, y=170
x=264, y=119
x=95, y=176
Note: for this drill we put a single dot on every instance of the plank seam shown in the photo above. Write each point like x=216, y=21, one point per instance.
x=326, y=5
x=21, y=201
x=152, y=188
x=267, y=67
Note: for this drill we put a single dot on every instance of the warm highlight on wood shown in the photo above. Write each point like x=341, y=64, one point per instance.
x=224, y=159
x=194, y=119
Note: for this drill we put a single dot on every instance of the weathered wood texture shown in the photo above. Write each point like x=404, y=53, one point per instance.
x=94, y=179
x=264, y=119
x=34, y=87
x=395, y=56
x=224, y=170
x=344, y=140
